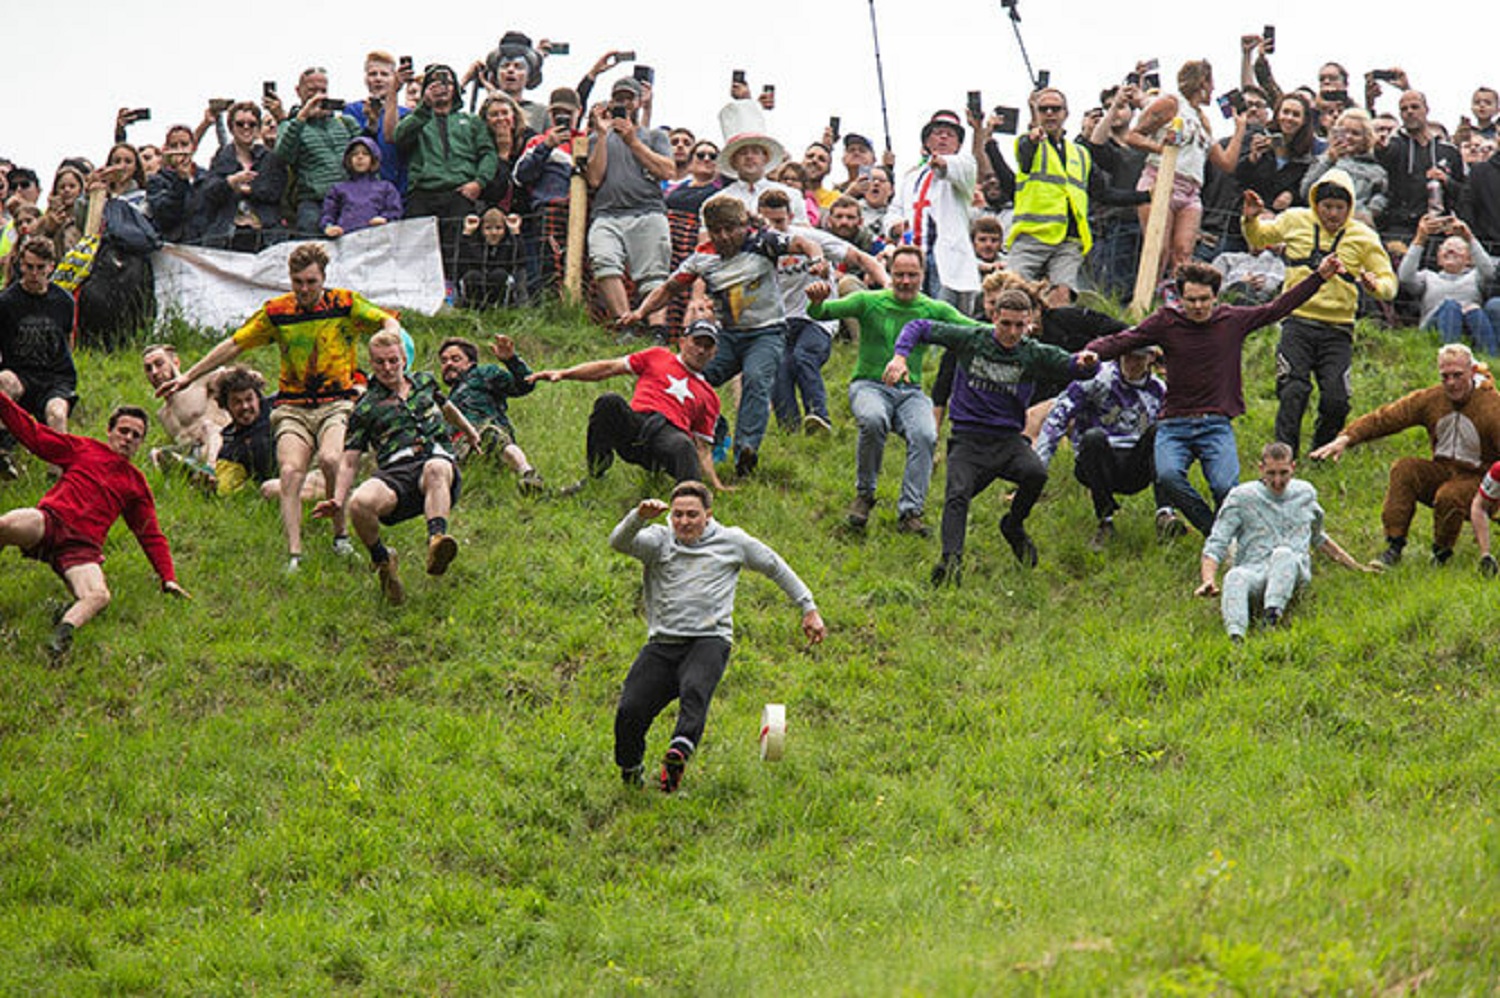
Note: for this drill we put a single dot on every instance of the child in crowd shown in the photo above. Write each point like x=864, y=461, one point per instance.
x=366, y=198
x=988, y=236
x=490, y=260
x=25, y=217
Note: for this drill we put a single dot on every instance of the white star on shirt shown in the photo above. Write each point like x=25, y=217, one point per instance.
x=679, y=390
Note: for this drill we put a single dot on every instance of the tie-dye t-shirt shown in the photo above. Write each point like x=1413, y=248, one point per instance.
x=319, y=347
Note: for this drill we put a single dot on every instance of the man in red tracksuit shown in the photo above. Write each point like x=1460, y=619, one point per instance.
x=66, y=529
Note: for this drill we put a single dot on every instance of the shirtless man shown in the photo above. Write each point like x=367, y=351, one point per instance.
x=191, y=418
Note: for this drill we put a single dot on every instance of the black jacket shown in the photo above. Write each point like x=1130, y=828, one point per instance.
x=198, y=211
x=266, y=191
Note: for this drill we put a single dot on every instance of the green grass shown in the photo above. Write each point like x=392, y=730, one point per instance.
x=1060, y=782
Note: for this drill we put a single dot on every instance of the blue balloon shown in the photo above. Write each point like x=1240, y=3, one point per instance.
x=411, y=349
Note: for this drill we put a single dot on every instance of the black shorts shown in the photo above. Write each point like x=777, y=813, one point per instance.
x=405, y=479
x=41, y=389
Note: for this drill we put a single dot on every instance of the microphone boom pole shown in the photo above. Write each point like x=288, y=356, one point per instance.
x=885, y=117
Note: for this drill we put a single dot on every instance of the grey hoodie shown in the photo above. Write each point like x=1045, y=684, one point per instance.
x=689, y=588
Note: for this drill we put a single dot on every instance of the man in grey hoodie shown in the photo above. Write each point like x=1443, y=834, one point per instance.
x=692, y=570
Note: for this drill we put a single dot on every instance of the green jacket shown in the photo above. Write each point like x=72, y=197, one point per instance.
x=314, y=149
x=445, y=151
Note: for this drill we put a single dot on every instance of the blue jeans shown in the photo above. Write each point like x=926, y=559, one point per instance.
x=1112, y=261
x=756, y=354
x=309, y=214
x=1210, y=441
x=878, y=410
x=1451, y=322
x=807, y=348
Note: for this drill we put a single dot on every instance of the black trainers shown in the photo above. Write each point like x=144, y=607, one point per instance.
x=745, y=461
x=1102, y=536
x=633, y=777
x=1020, y=544
x=1440, y=556
x=1272, y=617
x=531, y=483
x=1169, y=526
x=859, y=511
x=8, y=470
x=60, y=645
x=672, y=765
x=948, y=571
x=1488, y=566
x=1390, y=557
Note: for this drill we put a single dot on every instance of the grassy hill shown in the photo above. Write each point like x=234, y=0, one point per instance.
x=1063, y=781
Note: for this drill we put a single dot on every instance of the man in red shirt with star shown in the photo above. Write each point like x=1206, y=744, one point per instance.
x=66, y=529
x=668, y=424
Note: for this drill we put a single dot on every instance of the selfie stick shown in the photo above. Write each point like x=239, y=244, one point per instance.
x=1015, y=24
x=885, y=117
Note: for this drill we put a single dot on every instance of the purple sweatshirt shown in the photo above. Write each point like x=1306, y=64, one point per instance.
x=1203, y=359
x=352, y=203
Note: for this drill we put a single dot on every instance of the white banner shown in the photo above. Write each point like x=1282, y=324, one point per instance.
x=396, y=266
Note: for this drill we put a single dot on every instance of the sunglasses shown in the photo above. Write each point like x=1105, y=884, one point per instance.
x=1050, y=108
x=705, y=155
x=245, y=123
x=21, y=185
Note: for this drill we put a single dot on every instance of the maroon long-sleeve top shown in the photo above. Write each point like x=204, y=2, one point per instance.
x=1203, y=358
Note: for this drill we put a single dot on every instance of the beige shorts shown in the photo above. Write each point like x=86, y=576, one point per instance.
x=308, y=423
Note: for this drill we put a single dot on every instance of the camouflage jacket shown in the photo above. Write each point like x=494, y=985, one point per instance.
x=396, y=429
x=481, y=391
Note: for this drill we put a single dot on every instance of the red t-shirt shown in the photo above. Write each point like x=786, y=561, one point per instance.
x=97, y=487
x=665, y=385
x=1490, y=485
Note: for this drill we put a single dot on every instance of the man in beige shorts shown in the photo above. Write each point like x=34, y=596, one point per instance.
x=317, y=330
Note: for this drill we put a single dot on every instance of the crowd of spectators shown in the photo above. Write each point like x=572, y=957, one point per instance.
x=497, y=175
x=970, y=249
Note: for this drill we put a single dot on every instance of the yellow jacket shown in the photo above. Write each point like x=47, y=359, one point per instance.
x=1048, y=190
x=1307, y=242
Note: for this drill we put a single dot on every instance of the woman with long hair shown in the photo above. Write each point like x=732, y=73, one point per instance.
x=1156, y=129
x=507, y=126
x=1276, y=162
x=62, y=221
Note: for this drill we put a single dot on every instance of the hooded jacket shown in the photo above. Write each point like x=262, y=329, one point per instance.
x=351, y=204
x=1307, y=242
x=445, y=151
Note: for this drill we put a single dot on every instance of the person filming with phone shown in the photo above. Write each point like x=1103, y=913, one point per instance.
x=629, y=232
x=1050, y=235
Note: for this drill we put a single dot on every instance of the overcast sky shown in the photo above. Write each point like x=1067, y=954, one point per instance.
x=62, y=87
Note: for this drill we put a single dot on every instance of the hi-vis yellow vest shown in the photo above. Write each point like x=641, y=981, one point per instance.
x=1045, y=193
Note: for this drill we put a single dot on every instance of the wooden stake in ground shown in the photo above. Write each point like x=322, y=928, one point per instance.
x=1156, y=230
x=578, y=221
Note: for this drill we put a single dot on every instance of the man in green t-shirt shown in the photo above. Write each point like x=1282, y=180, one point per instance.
x=878, y=408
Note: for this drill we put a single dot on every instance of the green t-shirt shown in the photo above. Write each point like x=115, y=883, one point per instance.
x=881, y=318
